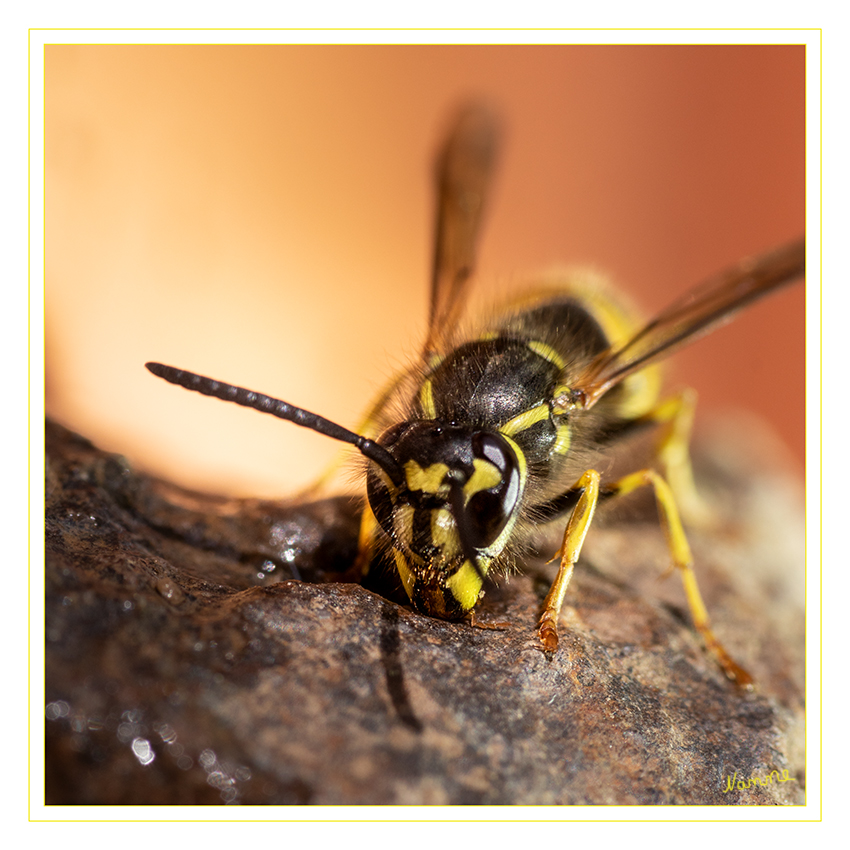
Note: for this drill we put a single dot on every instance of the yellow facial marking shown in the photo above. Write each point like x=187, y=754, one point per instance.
x=525, y=420
x=546, y=352
x=444, y=532
x=465, y=584
x=485, y=476
x=428, y=480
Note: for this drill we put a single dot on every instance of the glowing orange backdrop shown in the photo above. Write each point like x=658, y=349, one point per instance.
x=263, y=215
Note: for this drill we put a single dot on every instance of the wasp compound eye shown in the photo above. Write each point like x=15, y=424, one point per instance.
x=496, y=488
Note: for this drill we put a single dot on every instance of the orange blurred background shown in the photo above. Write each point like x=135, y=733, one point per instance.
x=262, y=214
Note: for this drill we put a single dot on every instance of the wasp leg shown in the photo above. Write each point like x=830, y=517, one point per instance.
x=576, y=531
x=676, y=414
x=680, y=552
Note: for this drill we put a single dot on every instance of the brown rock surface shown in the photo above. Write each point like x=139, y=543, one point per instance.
x=187, y=664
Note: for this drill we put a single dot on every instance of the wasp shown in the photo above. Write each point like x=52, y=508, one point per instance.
x=492, y=434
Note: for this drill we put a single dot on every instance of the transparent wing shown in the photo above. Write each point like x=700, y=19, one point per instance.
x=463, y=170
x=697, y=313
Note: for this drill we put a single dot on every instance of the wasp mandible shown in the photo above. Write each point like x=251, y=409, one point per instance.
x=498, y=426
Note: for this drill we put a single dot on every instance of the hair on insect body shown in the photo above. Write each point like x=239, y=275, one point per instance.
x=496, y=426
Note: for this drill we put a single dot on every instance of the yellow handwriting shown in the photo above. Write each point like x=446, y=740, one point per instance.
x=755, y=781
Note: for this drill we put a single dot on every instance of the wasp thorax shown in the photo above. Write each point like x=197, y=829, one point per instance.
x=453, y=512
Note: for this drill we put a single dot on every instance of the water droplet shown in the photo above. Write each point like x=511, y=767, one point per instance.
x=143, y=751
x=57, y=709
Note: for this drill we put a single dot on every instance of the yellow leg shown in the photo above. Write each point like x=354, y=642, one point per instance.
x=680, y=552
x=673, y=452
x=576, y=531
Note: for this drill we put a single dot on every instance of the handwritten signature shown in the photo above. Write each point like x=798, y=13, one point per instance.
x=755, y=781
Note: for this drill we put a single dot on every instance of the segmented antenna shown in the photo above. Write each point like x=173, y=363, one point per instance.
x=283, y=410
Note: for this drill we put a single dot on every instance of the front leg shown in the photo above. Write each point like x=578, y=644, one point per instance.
x=574, y=534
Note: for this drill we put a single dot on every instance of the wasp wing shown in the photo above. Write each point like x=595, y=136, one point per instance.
x=698, y=312
x=463, y=170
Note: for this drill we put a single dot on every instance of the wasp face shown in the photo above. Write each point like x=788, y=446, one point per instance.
x=453, y=513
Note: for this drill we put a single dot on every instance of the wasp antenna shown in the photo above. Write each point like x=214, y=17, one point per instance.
x=283, y=410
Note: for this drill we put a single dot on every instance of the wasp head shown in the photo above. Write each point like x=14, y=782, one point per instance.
x=452, y=513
